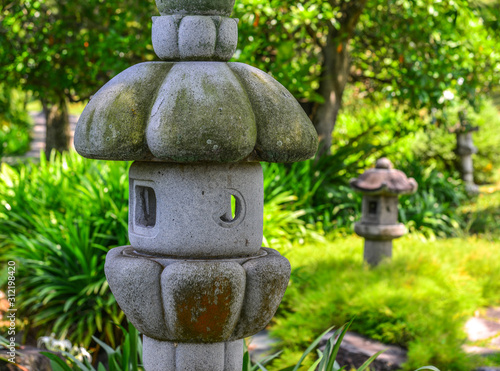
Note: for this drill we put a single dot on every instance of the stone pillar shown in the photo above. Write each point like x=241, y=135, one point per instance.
x=195, y=280
x=465, y=149
x=379, y=225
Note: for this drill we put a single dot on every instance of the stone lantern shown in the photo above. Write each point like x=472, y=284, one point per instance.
x=379, y=225
x=465, y=149
x=195, y=280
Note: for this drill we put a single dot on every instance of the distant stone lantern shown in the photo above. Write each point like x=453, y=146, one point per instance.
x=195, y=280
x=379, y=225
x=465, y=149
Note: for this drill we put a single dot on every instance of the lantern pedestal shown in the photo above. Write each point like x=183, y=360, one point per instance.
x=375, y=251
x=170, y=356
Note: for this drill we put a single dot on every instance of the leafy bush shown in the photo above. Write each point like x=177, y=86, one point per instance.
x=14, y=123
x=58, y=219
x=126, y=357
x=435, y=146
x=433, y=211
x=326, y=360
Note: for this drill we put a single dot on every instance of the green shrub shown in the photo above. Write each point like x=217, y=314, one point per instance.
x=58, y=219
x=126, y=357
x=433, y=211
x=14, y=123
x=436, y=145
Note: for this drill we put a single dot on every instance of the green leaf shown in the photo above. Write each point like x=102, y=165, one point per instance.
x=56, y=362
x=311, y=347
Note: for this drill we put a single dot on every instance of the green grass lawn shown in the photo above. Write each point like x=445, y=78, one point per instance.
x=419, y=300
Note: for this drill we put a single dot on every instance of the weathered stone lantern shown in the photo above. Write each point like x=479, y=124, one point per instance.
x=195, y=280
x=379, y=225
x=465, y=149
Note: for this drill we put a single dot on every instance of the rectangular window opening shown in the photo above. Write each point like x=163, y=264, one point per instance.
x=145, y=206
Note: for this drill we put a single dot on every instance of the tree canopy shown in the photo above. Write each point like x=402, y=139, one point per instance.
x=416, y=52
x=70, y=48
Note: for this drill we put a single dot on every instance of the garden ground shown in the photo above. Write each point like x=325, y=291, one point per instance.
x=420, y=300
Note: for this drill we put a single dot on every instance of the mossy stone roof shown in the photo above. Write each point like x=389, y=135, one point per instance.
x=195, y=112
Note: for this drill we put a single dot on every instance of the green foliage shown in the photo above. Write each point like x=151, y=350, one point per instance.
x=433, y=210
x=483, y=216
x=61, y=48
x=127, y=357
x=420, y=300
x=435, y=146
x=486, y=164
x=14, y=123
x=409, y=51
x=326, y=360
x=415, y=51
x=58, y=219
x=319, y=193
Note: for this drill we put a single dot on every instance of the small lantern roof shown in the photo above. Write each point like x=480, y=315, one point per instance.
x=384, y=180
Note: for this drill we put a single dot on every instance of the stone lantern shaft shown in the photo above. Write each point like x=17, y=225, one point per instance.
x=465, y=149
x=195, y=280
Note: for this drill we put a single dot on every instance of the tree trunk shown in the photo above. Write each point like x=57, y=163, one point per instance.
x=335, y=72
x=332, y=84
x=58, y=131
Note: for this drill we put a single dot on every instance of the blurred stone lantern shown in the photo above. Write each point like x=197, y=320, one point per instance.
x=381, y=188
x=465, y=149
x=195, y=280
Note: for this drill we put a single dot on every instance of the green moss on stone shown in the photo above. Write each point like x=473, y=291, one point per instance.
x=195, y=112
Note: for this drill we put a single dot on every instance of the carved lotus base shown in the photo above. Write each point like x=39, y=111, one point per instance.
x=197, y=301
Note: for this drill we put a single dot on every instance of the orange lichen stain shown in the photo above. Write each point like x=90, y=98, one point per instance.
x=203, y=312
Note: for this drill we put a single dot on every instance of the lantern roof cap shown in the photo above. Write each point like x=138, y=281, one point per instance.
x=384, y=180
x=189, y=112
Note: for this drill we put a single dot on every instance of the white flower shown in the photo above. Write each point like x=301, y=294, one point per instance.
x=448, y=95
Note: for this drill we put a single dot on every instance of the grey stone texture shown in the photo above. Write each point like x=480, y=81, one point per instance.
x=379, y=220
x=264, y=290
x=195, y=112
x=375, y=251
x=202, y=301
x=465, y=150
x=113, y=124
x=284, y=133
x=190, y=215
x=191, y=38
x=378, y=232
x=136, y=286
x=165, y=37
x=168, y=356
x=379, y=209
